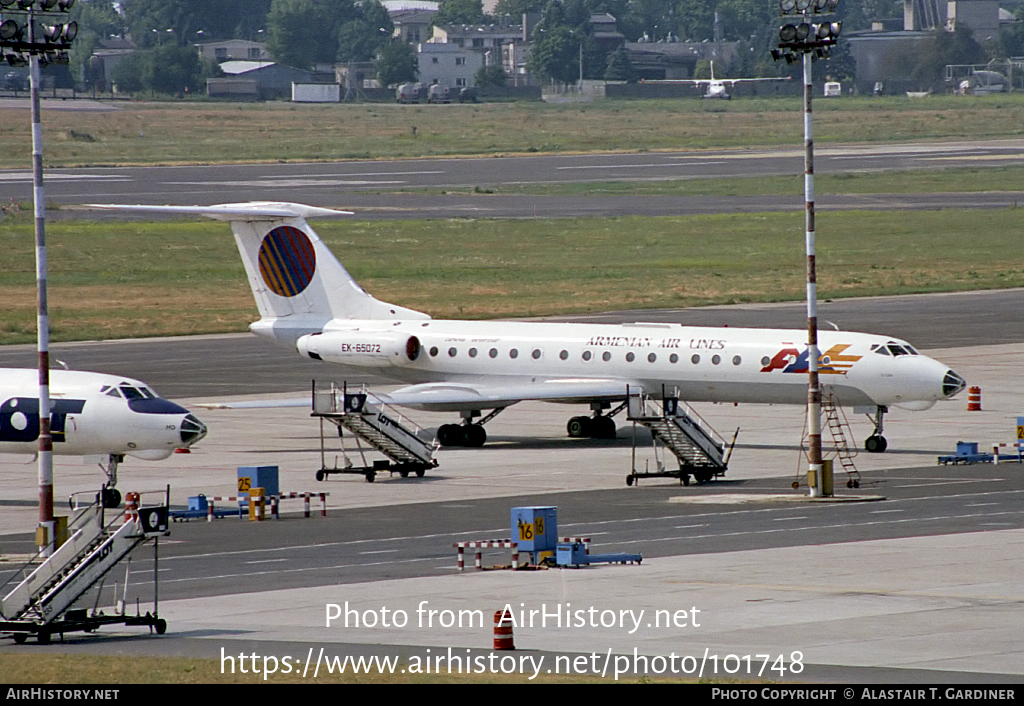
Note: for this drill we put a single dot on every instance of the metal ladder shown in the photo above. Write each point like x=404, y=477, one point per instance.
x=840, y=430
x=386, y=431
x=700, y=451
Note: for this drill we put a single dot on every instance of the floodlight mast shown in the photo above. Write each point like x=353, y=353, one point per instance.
x=17, y=40
x=810, y=41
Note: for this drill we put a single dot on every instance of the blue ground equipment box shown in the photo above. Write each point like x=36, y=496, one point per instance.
x=257, y=477
x=535, y=528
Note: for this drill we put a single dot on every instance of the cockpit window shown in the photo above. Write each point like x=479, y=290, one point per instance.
x=912, y=351
x=897, y=350
x=131, y=393
x=881, y=350
x=108, y=390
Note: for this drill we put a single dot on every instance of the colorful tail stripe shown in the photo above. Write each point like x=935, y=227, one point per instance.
x=287, y=261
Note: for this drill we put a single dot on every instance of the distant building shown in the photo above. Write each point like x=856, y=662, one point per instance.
x=257, y=80
x=448, y=65
x=233, y=50
x=413, y=26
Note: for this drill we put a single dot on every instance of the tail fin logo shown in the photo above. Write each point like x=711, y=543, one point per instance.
x=287, y=261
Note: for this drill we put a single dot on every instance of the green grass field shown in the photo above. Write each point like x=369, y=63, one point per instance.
x=112, y=280
x=207, y=132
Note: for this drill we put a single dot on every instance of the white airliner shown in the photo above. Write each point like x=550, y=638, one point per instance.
x=93, y=414
x=716, y=87
x=308, y=301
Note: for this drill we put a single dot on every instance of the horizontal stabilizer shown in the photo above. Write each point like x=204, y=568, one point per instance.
x=251, y=211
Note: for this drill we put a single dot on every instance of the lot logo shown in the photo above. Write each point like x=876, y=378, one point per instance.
x=287, y=261
x=831, y=362
x=19, y=418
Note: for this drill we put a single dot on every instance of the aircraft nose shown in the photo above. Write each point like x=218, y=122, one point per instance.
x=952, y=384
x=192, y=430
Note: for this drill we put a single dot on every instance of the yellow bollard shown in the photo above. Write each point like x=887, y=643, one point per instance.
x=257, y=505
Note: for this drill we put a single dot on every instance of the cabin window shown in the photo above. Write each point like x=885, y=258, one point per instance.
x=765, y=361
x=513, y=354
x=651, y=358
x=586, y=355
x=695, y=359
x=630, y=357
x=493, y=353
x=736, y=360
x=472, y=352
x=673, y=358
x=716, y=359
x=452, y=352
x=433, y=351
x=564, y=355
x=606, y=356
x=536, y=354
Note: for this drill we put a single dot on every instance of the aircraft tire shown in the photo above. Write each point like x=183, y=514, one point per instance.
x=474, y=436
x=449, y=435
x=602, y=428
x=578, y=427
x=111, y=497
x=875, y=444
x=161, y=626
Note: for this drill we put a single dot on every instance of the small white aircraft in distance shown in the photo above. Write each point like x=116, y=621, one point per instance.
x=94, y=414
x=309, y=302
x=716, y=87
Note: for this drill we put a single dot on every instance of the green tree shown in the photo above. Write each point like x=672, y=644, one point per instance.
x=459, y=12
x=396, y=64
x=554, y=55
x=493, y=75
x=216, y=19
x=362, y=38
x=620, y=68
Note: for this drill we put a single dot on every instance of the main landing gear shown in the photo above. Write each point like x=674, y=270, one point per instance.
x=876, y=443
x=600, y=426
x=469, y=434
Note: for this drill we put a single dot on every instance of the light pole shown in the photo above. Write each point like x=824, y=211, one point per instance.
x=809, y=40
x=35, y=32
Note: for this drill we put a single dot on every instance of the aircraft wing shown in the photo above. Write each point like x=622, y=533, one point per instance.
x=455, y=396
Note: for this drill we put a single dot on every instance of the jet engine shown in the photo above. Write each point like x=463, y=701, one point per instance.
x=373, y=349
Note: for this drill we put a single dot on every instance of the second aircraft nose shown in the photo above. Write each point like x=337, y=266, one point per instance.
x=952, y=384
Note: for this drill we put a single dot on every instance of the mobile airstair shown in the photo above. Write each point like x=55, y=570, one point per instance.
x=40, y=598
x=407, y=447
x=674, y=425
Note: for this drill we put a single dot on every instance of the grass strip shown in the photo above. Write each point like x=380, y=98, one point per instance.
x=130, y=279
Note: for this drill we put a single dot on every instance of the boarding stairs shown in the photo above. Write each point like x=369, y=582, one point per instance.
x=385, y=430
x=37, y=596
x=700, y=451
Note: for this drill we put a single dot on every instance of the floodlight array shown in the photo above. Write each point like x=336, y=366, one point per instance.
x=802, y=36
x=36, y=28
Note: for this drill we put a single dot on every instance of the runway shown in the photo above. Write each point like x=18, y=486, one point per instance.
x=378, y=189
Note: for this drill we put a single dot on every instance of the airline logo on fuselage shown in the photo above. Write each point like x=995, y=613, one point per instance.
x=19, y=418
x=831, y=362
x=287, y=261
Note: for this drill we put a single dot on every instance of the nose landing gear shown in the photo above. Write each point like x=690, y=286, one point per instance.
x=876, y=443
